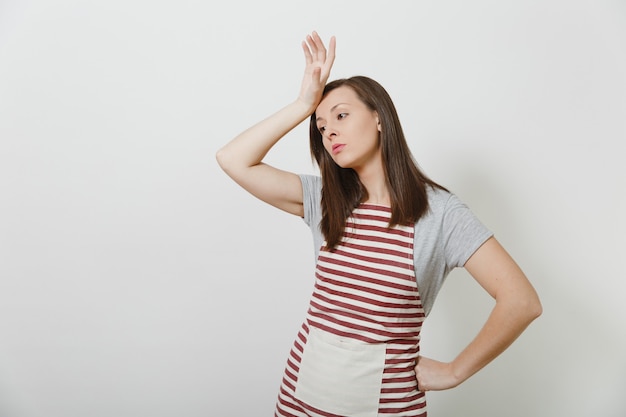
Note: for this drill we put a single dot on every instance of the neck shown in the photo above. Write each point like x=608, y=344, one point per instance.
x=373, y=179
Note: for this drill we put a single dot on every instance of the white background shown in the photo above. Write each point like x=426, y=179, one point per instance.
x=137, y=280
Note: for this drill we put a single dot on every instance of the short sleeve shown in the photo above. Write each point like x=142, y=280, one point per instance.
x=311, y=200
x=311, y=197
x=445, y=238
x=463, y=233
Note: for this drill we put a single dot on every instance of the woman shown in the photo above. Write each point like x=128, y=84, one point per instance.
x=386, y=236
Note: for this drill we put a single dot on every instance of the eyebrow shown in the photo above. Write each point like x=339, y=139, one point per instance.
x=331, y=110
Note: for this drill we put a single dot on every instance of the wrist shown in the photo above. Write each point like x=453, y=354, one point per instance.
x=457, y=372
x=306, y=107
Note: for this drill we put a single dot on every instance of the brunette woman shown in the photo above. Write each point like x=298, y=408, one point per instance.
x=386, y=236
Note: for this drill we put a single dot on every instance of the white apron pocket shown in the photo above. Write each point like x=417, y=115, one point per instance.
x=341, y=376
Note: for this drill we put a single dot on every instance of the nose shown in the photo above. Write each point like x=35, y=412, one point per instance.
x=330, y=133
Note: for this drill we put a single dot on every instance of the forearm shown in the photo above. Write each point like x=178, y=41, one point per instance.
x=504, y=325
x=250, y=147
x=517, y=305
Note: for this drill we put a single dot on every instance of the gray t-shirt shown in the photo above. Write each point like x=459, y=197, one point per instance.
x=445, y=237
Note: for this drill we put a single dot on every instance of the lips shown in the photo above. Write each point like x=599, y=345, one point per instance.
x=337, y=148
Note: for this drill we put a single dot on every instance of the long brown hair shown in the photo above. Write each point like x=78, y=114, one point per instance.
x=342, y=189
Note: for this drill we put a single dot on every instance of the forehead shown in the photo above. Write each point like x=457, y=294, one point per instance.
x=340, y=95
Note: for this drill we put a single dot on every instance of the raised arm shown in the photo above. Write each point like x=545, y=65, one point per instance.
x=517, y=305
x=242, y=157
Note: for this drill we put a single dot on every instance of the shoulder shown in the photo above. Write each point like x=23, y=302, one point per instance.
x=438, y=198
x=442, y=202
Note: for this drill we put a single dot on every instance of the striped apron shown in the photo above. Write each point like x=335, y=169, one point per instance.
x=355, y=352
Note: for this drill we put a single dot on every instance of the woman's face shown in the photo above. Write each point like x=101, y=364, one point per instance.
x=350, y=130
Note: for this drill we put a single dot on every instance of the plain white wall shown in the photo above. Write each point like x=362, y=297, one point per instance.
x=137, y=280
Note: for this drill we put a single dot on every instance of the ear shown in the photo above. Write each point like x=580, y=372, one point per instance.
x=378, y=126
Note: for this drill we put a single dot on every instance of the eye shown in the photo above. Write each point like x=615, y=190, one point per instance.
x=321, y=129
x=342, y=116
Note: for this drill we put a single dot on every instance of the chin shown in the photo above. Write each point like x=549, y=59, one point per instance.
x=341, y=165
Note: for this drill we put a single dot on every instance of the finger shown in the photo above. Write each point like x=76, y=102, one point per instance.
x=312, y=45
x=307, y=53
x=330, y=58
x=321, y=49
x=418, y=375
x=421, y=384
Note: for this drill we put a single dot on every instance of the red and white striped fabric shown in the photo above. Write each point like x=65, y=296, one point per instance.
x=365, y=295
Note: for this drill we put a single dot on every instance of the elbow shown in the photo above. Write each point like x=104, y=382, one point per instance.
x=530, y=308
x=523, y=310
x=223, y=160
x=533, y=303
x=536, y=309
x=230, y=162
x=220, y=157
